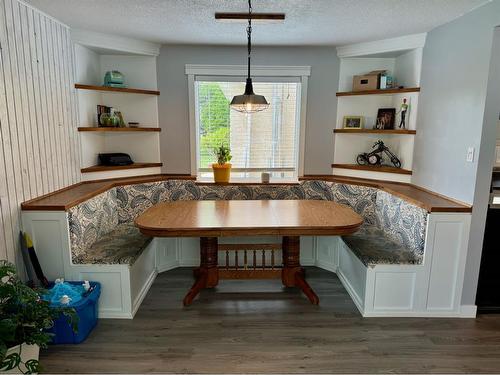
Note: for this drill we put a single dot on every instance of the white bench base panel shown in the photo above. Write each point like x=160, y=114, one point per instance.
x=432, y=289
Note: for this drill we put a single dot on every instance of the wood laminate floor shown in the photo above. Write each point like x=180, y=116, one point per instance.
x=257, y=327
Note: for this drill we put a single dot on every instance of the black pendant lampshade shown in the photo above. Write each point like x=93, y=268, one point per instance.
x=249, y=102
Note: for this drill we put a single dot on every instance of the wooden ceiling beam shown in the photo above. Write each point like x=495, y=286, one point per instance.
x=240, y=17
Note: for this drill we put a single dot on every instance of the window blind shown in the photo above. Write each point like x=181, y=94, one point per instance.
x=262, y=141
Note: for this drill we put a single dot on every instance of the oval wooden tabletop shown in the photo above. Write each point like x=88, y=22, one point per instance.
x=248, y=218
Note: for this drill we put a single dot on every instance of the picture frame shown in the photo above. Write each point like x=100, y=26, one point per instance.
x=353, y=122
x=386, y=118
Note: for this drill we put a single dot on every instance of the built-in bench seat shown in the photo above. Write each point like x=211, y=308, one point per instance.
x=123, y=245
x=372, y=246
x=385, y=266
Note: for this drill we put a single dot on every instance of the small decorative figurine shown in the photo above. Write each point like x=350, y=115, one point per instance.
x=403, y=110
x=375, y=157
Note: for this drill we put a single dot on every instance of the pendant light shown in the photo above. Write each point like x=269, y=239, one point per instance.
x=249, y=102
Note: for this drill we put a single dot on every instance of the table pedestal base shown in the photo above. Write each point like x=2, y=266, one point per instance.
x=207, y=275
x=293, y=275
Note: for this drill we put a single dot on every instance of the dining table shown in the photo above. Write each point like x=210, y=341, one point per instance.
x=211, y=219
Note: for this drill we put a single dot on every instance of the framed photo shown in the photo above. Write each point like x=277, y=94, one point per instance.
x=353, y=122
x=386, y=118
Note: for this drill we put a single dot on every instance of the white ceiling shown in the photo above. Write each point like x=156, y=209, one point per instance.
x=308, y=22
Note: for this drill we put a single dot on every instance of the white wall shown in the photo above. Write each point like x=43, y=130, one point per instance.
x=454, y=81
x=39, y=148
x=321, y=103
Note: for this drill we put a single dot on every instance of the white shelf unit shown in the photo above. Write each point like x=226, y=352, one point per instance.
x=140, y=72
x=402, y=59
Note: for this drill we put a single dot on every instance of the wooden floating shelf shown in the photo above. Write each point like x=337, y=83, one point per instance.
x=379, y=92
x=114, y=130
x=375, y=131
x=373, y=168
x=106, y=168
x=116, y=89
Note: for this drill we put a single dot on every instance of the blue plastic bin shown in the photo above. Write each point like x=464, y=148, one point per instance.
x=87, y=311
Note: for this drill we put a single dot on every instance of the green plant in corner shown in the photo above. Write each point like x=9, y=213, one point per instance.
x=23, y=318
x=223, y=154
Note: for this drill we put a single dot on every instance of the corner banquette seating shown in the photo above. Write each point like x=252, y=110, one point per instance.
x=385, y=266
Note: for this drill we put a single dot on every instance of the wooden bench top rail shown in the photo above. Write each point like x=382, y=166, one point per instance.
x=64, y=199
x=421, y=197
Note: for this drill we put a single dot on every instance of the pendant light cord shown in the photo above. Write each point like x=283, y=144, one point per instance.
x=249, y=34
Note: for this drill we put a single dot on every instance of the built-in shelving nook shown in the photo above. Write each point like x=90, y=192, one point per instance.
x=94, y=56
x=402, y=58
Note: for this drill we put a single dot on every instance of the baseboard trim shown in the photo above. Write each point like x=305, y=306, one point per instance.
x=354, y=296
x=168, y=267
x=307, y=262
x=189, y=263
x=468, y=311
x=144, y=291
x=328, y=266
x=114, y=315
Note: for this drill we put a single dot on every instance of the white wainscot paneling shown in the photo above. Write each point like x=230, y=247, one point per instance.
x=352, y=273
x=327, y=253
x=48, y=230
x=189, y=252
x=111, y=301
x=394, y=291
x=167, y=253
x=448, y=238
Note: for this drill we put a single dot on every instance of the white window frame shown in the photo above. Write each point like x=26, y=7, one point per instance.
x=194, y=70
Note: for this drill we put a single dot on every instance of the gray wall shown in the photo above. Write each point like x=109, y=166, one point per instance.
x=321, y=103
x=454, y=82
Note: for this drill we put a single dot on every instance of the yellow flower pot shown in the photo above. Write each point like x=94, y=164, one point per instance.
x=222, y=172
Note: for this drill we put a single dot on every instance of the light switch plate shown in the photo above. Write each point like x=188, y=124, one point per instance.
x=470, y=154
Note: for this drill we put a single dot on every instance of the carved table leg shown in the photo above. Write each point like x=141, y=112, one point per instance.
x=293, y=274
x=207, y=275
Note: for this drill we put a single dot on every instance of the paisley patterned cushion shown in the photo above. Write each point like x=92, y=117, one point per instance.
x=91, y=220
x=121, y=246
x=133, y=200
x=372, y=246
x=318, y=190
x=402, y=222
x=360, y=198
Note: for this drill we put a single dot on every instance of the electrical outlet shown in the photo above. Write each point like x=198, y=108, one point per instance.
x=470, y=154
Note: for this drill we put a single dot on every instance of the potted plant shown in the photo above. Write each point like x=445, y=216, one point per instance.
x=222, y=169
x=23, y=318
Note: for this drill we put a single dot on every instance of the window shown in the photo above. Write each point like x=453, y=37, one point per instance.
x=263, y=141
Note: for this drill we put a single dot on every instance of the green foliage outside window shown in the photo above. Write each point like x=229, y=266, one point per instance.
x=214, y=120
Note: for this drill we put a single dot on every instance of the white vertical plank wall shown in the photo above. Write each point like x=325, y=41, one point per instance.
x=39, y=144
